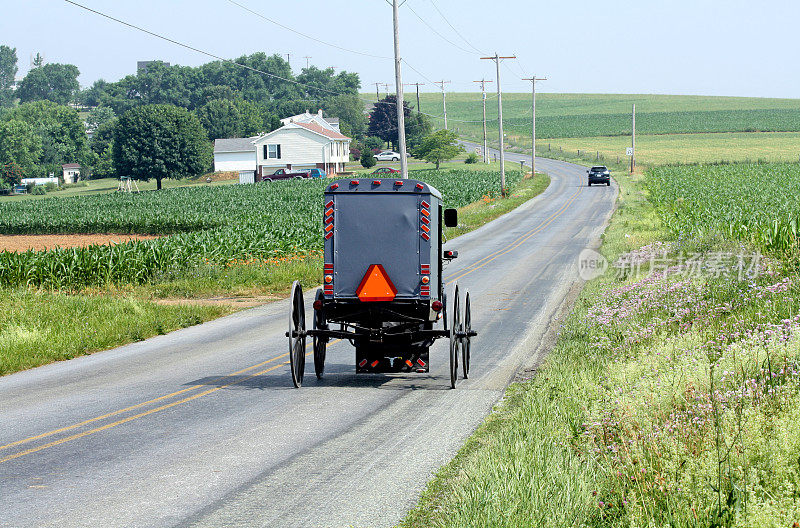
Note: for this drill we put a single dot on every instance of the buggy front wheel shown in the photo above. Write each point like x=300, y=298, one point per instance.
x=466, y=340
x=320, y=343
x=455, y=328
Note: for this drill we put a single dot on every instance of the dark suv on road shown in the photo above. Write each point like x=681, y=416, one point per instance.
x=599, y=174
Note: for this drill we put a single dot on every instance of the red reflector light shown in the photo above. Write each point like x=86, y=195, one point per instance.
x=420, y=186
x=425, y=204
x=436, y=306
x=376, y=182
x=362, y=362
x=328, y=267
x=425, y=228
x=425, y=268
x=329, y=211
x=329, y=204
x=317, y=305
x=425, y=220
x=398, y=182
x=424, y=235
x=376, y=285
x=374, y=363
x=426, y=212
x=328, y=236
x=334, y=186
x=421, y=363
x=353, y=182
x=329, y=228
x=409, y=363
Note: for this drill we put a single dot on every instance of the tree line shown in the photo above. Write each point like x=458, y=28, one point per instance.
x=41, y=127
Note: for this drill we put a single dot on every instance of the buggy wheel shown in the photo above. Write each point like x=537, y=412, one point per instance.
x=465, y=342
x=455, y=327
x=297, y=335
x=320, y=343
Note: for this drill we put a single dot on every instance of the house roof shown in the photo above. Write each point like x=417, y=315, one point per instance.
x=70, y=166
x=234, y=144
x=322, y=130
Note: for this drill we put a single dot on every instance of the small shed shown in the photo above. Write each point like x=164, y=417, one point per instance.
x=72, y=171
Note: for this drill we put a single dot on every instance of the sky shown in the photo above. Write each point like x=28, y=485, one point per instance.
x=694, y=47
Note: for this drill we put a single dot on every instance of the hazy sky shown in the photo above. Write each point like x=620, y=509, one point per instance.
x=707, y=47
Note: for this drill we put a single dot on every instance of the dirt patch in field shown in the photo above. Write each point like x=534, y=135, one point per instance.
x=19, y=243
x=234, y=302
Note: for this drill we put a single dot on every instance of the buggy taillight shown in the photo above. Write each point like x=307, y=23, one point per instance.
x=436, y=306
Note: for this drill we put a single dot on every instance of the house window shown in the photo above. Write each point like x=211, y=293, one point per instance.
x=272, y=152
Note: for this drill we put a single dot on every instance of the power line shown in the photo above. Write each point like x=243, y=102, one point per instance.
x=198, y=50
x=311, y=37
x=440, y=35
x=454, y=29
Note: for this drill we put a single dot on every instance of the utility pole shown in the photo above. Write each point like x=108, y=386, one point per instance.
x=417, y=85
x=633, y=137
x=401, y=123
x=287, y=60
x=444, y=100
x=306, y=58
x=497, y=58
x=377, y=91
x=483, y=96
x=533, y=121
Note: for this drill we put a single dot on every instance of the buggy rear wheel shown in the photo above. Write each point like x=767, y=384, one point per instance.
x=466, y=340
x=297, y=335
x=455, y=327
x=320, y=343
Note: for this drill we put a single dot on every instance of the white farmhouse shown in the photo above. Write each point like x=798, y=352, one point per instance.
x=302, y=145
x=236, y=154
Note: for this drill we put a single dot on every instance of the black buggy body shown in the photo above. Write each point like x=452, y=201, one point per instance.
x=382, y=280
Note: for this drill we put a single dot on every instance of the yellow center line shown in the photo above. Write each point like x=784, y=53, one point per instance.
x=133, y=407
x=136, y=416
x=516, y=243
x=137, y=406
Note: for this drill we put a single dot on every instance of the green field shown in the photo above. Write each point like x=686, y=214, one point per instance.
x=585, y=115
x=217, y=225
x=758, y=204
x=679, y=148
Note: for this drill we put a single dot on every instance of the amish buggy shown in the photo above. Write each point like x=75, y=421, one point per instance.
x=382, y=281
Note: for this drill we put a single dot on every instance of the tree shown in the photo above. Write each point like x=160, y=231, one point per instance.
x=60, y=129
x=51, y=82
x=98, y=117
x=102, y=136
x=383, y=119
x=223, y=118
x=160, y=141
x=368, y=159
x=8, y=69
x=438, y=147
x=349, y=108
x=10, y=175
x=20, y=146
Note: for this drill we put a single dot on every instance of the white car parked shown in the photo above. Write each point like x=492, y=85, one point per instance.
x=387, y=155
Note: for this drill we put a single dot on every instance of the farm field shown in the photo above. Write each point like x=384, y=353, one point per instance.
x=587, y=115
x=681, y=148
x=670, y=398
x=224, y=248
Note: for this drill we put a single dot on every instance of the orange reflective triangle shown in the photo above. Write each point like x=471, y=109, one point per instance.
x=376, y=285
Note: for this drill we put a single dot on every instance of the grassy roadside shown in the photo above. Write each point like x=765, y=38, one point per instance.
x=39, y=327
x=667, y=401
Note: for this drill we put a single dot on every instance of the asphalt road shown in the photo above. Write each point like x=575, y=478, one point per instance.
x=202, y=427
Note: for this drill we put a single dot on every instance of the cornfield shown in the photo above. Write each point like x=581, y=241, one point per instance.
x=755, y=203
x=206, y=224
